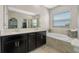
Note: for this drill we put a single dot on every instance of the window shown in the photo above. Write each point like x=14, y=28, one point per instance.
x=12, y=23
x=62, y=19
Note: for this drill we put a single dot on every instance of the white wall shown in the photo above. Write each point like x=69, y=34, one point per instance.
x=1, y=18
x=78, y=23
x=44, y=18
x=78, y=27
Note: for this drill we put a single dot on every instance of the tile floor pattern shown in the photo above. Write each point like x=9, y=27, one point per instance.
x=45, y=49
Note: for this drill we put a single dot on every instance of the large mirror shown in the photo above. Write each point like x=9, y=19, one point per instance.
x=22, y=21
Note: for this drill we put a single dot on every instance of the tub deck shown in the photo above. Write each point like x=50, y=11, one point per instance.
x=61, y=43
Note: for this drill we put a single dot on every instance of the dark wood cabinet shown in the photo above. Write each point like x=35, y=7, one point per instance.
x=43, y=37
x=40, y=38
x=0, y=44
x=13, y=43
x=8, y=43
x=22, y=43
x=32, y=41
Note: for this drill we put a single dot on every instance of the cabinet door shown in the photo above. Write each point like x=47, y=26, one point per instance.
x=43, y=37
x=27, y=44
x=0, y=44
x=7, y=44
x=31, y=37
x=24, y=43
x=19, y=44
x=13, y=44
x=40, y=38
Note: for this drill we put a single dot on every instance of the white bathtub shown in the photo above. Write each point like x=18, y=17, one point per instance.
x=59, y=37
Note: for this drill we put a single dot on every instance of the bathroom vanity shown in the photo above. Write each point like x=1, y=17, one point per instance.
x=20, y=32
x=22, y=43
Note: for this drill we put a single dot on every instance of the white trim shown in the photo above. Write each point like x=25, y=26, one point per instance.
x=21, y=11
x=78, y=27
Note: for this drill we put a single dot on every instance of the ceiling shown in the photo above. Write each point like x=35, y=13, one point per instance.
x=30, y=9
x=50, y=6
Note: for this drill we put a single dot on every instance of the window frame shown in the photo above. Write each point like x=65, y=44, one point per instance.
x=61, y=20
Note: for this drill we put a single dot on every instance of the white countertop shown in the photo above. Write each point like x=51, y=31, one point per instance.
x=20, y=31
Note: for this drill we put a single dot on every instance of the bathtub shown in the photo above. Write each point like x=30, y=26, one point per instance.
x=60, y=42
x=59, y=37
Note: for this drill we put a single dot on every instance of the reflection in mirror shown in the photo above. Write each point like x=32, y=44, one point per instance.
x=29, y=23
x=12, y=23
x=34, y=23
x=24, y=24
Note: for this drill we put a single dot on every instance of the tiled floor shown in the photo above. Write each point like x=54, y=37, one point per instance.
x=45, y=49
